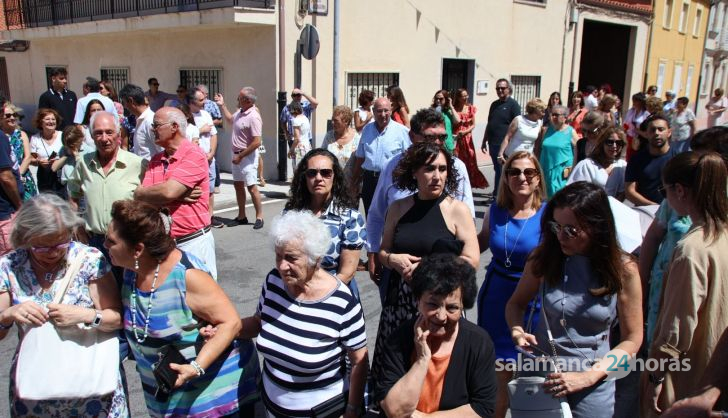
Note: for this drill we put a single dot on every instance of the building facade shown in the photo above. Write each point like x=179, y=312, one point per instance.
x=714, y=73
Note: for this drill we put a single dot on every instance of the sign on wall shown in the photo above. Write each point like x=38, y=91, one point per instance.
x=318, y=7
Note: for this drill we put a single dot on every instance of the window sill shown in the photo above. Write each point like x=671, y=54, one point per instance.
x=531, y=3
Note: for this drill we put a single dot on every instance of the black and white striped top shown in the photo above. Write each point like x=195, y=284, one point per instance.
x=303, y=342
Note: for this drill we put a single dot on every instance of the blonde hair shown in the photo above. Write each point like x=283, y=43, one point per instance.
x=534, y=105
x=505, y=198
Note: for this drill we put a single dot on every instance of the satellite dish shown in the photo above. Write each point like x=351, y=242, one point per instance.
x=309, y=42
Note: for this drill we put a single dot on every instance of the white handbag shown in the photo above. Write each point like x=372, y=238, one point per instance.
x=66, y=363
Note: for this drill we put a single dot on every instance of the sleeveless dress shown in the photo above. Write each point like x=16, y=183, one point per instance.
x=465, y=150
x=556, y=154
x=29, y=188
x=580, y=324
x=420, y=232
x=227, y=385
x=501, y=280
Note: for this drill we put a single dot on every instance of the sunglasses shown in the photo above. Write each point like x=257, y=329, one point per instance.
x=614, y=143
x=326, y=173
x=571, y=232
x=501, y=88
x=11, y=115
x=61, y=246
x=530, y=173
x=433, y=138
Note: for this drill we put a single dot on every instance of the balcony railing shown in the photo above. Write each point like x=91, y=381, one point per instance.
x=38, y=13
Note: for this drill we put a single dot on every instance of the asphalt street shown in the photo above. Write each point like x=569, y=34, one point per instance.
x=244, y=257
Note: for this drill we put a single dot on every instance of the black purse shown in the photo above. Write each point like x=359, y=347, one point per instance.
x=332, y=408
x=163, y=374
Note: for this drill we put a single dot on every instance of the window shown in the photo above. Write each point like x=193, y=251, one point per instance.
x=689, y=80
x=696, y=25
x=117, y=76
x=704, y=82
x=667, y=22
x=458, y=73
x=677, y=79
x=376, y=82
x=525, y=88
x=684, y=18
x=660, y=76
x=4, y=86
x=211, y=77
x=49, y=69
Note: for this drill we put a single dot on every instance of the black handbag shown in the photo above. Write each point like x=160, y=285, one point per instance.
x=163, y=374
x=332, y=408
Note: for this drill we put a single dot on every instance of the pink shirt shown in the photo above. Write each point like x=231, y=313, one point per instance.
x=188, y=166
x=246, y=126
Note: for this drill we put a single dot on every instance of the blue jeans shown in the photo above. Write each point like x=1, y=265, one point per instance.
x=493, y=150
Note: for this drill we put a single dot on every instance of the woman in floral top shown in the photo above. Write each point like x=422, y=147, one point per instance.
x=20, y=145
x=28, y=282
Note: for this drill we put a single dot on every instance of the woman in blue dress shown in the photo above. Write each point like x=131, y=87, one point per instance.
x=511, y=229
x=556, y=150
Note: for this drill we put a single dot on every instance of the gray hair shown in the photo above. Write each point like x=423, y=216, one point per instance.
x=304, y=228
x=249, y=92
x=563, y=109
x=43, y=215
x=176, y=116
x=507, y=81
x=113, y=117
x=203, y=88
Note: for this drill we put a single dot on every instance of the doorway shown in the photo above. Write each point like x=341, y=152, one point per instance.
x=604, y=55
x=458, y=73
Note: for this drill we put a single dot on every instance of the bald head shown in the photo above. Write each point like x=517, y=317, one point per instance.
x=382, y=112
x=170, y=127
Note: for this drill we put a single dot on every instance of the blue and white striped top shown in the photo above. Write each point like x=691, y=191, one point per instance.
x=303, y=343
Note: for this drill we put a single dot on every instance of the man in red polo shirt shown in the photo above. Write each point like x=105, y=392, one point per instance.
x=177, y=179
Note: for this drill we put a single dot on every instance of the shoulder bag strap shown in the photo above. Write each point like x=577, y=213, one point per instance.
x=71, y=271
x=548, y=327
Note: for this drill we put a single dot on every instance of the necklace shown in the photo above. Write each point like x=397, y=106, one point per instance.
x=143, y=338
x=515, y=244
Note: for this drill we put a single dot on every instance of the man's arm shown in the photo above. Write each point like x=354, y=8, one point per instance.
x=10, y=186
x=631, y=193
x=213, y=148
x=311, y=99
x=220, y=101
x=163, y=193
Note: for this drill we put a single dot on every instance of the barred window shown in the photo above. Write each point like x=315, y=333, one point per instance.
x=525, y=88
x=376, y=82
x=117, y=76
x=211, y=77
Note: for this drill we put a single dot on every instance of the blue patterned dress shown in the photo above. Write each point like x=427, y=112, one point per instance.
x=18, y=278
x=224, y=387
x=16, y=143
x=348, y=232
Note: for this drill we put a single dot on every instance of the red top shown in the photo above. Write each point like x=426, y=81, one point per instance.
x=187, y=166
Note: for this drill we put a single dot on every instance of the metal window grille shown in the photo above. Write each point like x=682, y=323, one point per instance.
x=211, y=77
x=49, y=70
x=117, y=76
x=4, y=86
x=376, y=82
x=525, y=88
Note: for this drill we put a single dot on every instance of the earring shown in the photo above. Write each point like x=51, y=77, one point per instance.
x=136, y=263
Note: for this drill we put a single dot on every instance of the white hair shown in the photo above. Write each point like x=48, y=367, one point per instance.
x=43, y=215
x=302, y=227
x=203, y=88
x=95, y=115
x=249, y=92
x=175, y=115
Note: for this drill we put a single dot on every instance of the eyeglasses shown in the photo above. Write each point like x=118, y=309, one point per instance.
x=157, y=125
x=434, y=137
x=529, y=173
x=61, y=246
x=11, y=115
x=326, y=173
x=155, y=84
x=570, y=231
x=501, y=88
x=614, y=143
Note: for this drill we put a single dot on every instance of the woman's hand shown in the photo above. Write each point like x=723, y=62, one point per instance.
x=562, y=384
x=185, y=373
x=523, y=339
x=651, y=393
x=28, y=313
x=45, y=163
x=422, y=349
x=66, y=315
x=208, y=332
x=402, y=263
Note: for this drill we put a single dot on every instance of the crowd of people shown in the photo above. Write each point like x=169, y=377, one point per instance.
x=113, y=236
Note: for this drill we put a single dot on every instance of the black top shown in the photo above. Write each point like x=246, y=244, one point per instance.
x=66, y=107
x=470, y=376
x=580, y=150
x=646, y=170
x=500, y=116
x=418, y=230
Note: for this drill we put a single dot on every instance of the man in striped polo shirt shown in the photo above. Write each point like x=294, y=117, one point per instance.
x=177, y=179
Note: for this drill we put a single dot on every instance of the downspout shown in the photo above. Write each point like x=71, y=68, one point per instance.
x=337, y=57
x=281, y=99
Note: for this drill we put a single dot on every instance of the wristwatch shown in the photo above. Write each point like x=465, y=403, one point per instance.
x=656, y=380
x=97, y=320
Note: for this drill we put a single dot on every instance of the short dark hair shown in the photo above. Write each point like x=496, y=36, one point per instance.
x=713, y=139
x=425, y=117
x=58, y=71
x=589, y=89
x=152, y=79
x=94, y=85
x=133, y=93
x=295, y=107
x=418, y=155
x=442, y=274
x=683, y=100
x=366, y=96
x=656, y=116
x=300, y=197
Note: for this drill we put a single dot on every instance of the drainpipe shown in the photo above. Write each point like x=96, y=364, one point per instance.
x=282, y=145
x=337, y=28
x=575, y=19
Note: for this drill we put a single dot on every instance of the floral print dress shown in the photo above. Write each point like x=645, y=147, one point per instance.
x=18, y=278
x=29, y=188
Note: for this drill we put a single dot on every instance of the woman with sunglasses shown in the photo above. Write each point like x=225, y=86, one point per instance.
x=586, y=282
x=605, y=166
x=30, y=276
x=443, y=104
x=319, y=186
x=20, y=145
x=556, y=150
x=693, y=315
x=511, y=229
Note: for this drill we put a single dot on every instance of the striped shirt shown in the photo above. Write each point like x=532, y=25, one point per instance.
x=303, y=342
x=188, y=165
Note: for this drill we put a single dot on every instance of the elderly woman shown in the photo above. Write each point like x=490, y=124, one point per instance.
x=45, y=147
x=554, y=100
x=511, y=230
x=585, y=282
x=523, y=130
x=439, y=361
x=605, y=167
x=556, y=151
x=682, y=123
x=430, y=221
x=165, y=301
x=306, y=320
x=693, y=315
x=319, y=186
x=29, y=276
x=20, y=145
x=343, y=139
x=591, y=127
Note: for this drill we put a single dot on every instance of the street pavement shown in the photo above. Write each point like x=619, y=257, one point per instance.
x=244, y=257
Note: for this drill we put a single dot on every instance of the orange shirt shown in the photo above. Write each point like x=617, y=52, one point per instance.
x=432, y=388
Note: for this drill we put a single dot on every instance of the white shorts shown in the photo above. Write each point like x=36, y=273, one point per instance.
x=247, y=170
x=202, y=247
